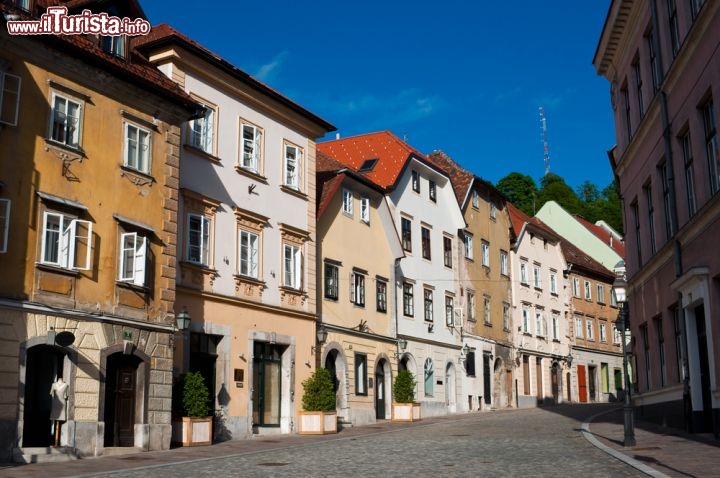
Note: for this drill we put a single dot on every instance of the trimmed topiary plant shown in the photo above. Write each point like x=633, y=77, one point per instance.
x=194, y=397
x=319, y=392
x=404, y=389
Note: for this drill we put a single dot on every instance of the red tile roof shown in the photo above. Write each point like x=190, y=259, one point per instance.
x=461, y=179
x=577, y=257
x=164, y=33
x=391, y=152
x=604, y=235
x=517, y=218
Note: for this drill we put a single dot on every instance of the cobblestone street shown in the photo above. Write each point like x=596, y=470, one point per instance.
x=538, y=442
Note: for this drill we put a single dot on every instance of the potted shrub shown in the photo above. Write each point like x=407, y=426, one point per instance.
x=319, y=416
x=192, y=425
x=404, y=407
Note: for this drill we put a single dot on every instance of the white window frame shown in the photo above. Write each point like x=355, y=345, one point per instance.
x=523, y=273
x=4, y=224
x=603, y=332
x=468, y=242
x=576, y=287
x=331, y=283
x=415, y=180
x=485, y=248
x=357, y=289
x=475, y=199
x=408, y=299
x=617, y=335
x=142, y=159
x=537, y=277
x=292, y=266
x=348, y=199
x=251, y=148
x=6, y=95
x=503, y=263
x=556, y=327
x=69, y=239
x=203, y=239
x=600, y=293
x=493, y=210
x=365, y=209
x=471, y=305
x=201, y=131
x=114, y=44
x=449, y=311
x=73, y=139
x=588, y=290
x=133, y=258
x=248, y=254
x=539, y=324
x=428, y=300
x=553, y=283
x=486, y=310
x=526, y=320
x=589, y=327
x=292, y=166
x=579, y=330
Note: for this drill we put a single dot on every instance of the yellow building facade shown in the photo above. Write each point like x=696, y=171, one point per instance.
x=89, y=175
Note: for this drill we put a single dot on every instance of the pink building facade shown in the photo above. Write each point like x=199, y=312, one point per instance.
x=663, y=64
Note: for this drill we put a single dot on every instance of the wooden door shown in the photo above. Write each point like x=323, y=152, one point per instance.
x=125, y=406
x=582, y=384
x=380, y=392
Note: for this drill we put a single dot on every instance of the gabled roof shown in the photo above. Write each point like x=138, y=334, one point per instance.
x=135, y=68
x=604, y=235
x=517, y=219
x=391, y=152
x=461, y=179
x=165, y=34
x=582, y=261
x=520, y=221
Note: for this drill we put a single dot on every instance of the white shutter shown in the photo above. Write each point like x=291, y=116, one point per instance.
x=128, y=241
x=256, y=150
x=298, y=268
x=67, y=244
x=140, y=260
x=81, y=244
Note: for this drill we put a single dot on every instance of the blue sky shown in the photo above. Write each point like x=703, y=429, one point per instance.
x=464, y=77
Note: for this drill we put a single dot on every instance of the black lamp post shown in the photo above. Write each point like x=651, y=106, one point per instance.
x=623, y=324
x=182, y=321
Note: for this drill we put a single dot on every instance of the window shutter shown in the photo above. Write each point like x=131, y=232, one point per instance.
x=9, y=98
x=81, y=244
x=298, y=268
x=352, y=287
x=140, y=260
x=256, y=149
x=124, y=247
x=67, y=244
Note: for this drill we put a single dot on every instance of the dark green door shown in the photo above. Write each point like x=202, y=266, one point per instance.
x=380, y=391
x=267, y=384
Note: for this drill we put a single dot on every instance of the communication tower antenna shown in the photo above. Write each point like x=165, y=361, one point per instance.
x=546, y=149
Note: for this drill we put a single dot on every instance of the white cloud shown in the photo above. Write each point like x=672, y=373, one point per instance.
x=390, y=110
x=267, y=72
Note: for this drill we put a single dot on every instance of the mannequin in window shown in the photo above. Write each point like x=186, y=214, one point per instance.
x=58, y=412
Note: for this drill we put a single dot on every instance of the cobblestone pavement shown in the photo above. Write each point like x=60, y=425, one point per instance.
x=537, y=442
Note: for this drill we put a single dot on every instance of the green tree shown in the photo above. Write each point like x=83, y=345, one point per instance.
x=404, y=387
x=521, y=190
x=319, y=392
x=554, y=188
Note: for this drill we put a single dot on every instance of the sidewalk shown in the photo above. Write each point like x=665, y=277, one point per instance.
x=659, y=451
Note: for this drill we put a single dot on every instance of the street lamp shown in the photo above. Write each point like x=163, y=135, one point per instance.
x=182, y=321
x=619, y=288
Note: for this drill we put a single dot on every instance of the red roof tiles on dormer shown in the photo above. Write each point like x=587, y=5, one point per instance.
x=574, y=255
x=461, y=179
x=391, y=152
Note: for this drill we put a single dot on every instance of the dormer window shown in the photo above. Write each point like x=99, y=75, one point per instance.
x=114, y=45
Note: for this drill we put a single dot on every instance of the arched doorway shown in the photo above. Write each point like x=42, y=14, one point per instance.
x=335, y=362
x=121, y=399
x=44, y=365
x=381, y=390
